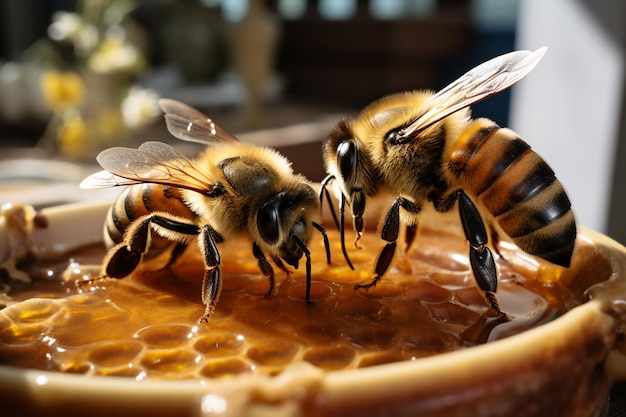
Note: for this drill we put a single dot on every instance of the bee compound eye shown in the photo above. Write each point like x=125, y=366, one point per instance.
x=268, y=222
x=347, y=159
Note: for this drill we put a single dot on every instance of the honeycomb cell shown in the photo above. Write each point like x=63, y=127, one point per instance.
x=75, y=367
x=114, y=353
x=126, y=371
x=296, y=290
x=330, y=358
x=315, y=331
x=170, y=361
x=166, y=335
x=373, y=336
x=384, y=289
x=254, y=310
x=84, y=299
x=33, y=310
x=146, y=326
x=252, y=283
x=451, y=313
x=429, y=291
x=428, y=343
x=19, y=334
x=360, y=308
x=217, y=368
x=273, y=354
x=219, y=344
x=363, y=259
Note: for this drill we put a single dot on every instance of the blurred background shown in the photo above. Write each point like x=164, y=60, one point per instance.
x=78, y=76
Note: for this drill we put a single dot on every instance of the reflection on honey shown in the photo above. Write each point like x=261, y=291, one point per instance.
x=146, y=326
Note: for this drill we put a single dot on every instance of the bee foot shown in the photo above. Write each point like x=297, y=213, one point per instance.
x=90, y=283
x=495, y=306
x=365, y=287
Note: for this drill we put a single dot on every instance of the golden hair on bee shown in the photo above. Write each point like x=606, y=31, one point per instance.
x=423, y=148
x=232, y=190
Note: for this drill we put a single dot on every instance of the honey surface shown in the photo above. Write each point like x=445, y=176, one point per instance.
x=146, y=325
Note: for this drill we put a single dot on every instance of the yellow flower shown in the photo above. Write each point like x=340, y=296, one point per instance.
x=72, y=136
x=62, y=89
x=115, y=54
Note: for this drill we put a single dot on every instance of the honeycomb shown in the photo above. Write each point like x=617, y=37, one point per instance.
x=146, y=326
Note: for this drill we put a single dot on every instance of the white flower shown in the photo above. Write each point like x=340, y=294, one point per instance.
x=86, y=40
x=140, y=107
x=65, y=26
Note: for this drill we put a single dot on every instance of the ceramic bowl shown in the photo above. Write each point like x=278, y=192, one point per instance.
x=563, y=368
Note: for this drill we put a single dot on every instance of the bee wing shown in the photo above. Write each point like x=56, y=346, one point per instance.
x=104, y=179
x=152, y=162
x=187, y=123
x=477, y=84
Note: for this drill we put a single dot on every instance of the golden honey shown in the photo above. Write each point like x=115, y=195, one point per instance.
x=146, y=325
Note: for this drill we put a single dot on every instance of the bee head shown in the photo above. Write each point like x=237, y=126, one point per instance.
x=284, y=221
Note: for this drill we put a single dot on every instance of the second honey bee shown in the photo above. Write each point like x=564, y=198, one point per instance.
x=231, y=190
x=423, y=147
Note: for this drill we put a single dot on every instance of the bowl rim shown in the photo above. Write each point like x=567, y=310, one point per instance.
x=335, y=385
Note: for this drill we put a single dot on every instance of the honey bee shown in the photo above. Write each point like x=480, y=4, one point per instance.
x=422, y=147
x=231, y=190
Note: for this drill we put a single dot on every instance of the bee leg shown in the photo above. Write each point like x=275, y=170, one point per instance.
x=324, y=192
x=342, y=230
x=307, y=253
x=409, y=236
x=481, y=258
x=265, y=267
x=207, y=236
x=212, y=280
x=389, y=233
x=211, y=289
x=325, y=237
x=123, y=258
x=358, y=208
x=340, y=225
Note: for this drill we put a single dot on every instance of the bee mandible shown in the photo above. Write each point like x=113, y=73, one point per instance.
x=422, y=147
x=233, y=189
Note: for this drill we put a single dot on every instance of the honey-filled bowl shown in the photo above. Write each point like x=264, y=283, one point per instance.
x=422, y=342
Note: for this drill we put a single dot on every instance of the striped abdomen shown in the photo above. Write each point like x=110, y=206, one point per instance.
x=518, y=188
x=140, y=200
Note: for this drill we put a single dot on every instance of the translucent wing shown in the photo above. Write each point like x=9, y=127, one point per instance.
x=187, y=123
x=104, y=179
x=152, y=162
x=477, y=84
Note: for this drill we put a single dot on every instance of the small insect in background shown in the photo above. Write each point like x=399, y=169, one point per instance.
x=424, y=148
x=232, y=190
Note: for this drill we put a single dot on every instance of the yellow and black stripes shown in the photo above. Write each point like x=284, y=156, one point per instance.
x=140, y=200
x=519, y=189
